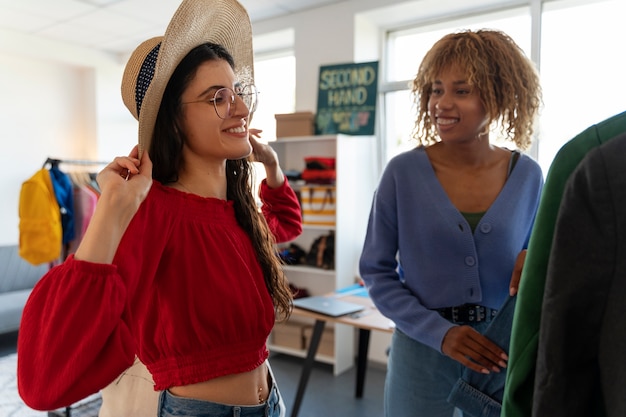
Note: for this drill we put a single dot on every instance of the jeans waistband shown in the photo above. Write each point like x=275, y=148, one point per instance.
x=173, y=406
x=467, y=313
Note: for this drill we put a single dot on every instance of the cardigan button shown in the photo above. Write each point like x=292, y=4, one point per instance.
x=485, y=227
x=470, y=261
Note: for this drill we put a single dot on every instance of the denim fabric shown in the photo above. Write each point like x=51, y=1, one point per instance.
x=419, y=379
x=174, y=406
x=480, y=395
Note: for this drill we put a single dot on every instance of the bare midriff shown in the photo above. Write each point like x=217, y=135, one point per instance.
x=247, y=388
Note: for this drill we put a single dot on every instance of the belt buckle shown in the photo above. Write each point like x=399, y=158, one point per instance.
x=455, y=314
x=474, y=313
x=480, y=313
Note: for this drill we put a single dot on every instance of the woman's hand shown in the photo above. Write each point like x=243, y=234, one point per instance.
x=517, y=272
x=127, y=180
x=473, y=350
x=264, y=154
x=124, y=185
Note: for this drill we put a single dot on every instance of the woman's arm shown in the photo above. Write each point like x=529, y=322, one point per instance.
x=264, y=154
x=281, y=207
x=124, y=184
x=73, y=340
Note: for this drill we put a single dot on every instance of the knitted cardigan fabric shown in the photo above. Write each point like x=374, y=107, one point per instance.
x=441, y=263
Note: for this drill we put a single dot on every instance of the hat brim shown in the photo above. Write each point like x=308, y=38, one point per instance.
x=223, y=22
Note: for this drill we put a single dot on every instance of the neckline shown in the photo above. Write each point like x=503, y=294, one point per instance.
x=441, y=194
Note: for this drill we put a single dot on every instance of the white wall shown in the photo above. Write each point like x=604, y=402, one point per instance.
x=55, y=101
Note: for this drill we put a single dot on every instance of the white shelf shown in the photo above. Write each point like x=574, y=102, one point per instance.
x=309, y=270
x=316, y=227
x=356, y=180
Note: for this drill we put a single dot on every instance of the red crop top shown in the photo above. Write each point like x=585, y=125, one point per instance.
x=185, y=293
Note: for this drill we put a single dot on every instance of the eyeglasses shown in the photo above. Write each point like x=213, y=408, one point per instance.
x=224, y=100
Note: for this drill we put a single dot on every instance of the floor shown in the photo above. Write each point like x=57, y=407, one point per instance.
x=326, y=395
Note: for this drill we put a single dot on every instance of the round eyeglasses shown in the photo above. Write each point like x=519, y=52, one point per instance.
x=225, y=101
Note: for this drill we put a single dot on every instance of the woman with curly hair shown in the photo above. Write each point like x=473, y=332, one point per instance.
x=451, y=219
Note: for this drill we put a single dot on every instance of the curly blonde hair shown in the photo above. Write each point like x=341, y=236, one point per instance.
x=507, y=80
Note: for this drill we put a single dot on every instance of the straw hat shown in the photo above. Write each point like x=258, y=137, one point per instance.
x=150, y=66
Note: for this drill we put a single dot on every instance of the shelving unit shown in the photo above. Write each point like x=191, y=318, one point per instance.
x=355, y=184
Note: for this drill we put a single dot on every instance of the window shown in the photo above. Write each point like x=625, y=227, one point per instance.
x=581, y=70
x=579, y=65
x=275, y=78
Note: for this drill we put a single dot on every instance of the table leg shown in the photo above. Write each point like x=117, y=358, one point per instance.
x=308, y=365
x=361, y=366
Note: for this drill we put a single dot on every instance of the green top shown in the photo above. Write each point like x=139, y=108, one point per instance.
x=520, y=376
x=473, y=218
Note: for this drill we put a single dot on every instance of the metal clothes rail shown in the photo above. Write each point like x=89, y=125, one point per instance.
x=56, y=162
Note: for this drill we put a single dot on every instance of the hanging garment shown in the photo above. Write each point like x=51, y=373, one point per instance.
x=40, y=231
x=85, y=200
x=520, y=377
x=581, y=370
x=64, y=193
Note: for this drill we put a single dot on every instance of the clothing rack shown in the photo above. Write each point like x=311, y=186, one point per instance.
x=90, y=179
x=56, y=162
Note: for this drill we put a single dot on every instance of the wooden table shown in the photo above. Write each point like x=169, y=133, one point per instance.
x=365, y=321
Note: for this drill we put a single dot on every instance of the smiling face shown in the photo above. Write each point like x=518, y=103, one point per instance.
x=455, y=108
x=208, y=136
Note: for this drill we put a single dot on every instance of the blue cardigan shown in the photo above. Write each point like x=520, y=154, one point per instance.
x=420, y=253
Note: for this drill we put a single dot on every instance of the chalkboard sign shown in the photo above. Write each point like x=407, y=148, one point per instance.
x=346, y=99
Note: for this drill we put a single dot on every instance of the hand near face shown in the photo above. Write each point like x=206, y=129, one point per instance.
x=264, y=154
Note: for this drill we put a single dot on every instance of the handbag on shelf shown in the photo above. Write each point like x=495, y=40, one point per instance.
x=318, y=205
x=322, y=253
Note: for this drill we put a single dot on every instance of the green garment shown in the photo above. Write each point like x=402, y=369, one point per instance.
x=518, y=391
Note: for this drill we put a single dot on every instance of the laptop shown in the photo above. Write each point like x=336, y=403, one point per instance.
x=329, y=306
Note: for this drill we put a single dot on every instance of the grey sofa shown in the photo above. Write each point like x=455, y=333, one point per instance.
x=17, y=279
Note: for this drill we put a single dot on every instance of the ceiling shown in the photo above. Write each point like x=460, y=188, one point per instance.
x=117, y=26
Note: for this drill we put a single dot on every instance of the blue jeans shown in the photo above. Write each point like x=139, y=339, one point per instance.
x=480, y=395
x=173, y=406
x=419, y=379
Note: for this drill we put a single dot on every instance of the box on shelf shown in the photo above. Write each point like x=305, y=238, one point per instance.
x=327, y=342
x=289, y=335
x=294, y=124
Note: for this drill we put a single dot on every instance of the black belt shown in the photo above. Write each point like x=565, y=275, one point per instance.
x=467, y=313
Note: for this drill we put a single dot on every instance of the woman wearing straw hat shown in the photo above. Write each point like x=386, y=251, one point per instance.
x=178, y=264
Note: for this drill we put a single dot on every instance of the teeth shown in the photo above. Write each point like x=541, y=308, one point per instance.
x=239, y=129
x=446, y=121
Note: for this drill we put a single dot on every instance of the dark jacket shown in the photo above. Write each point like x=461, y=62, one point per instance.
x=518, y=392
x=581, y=369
